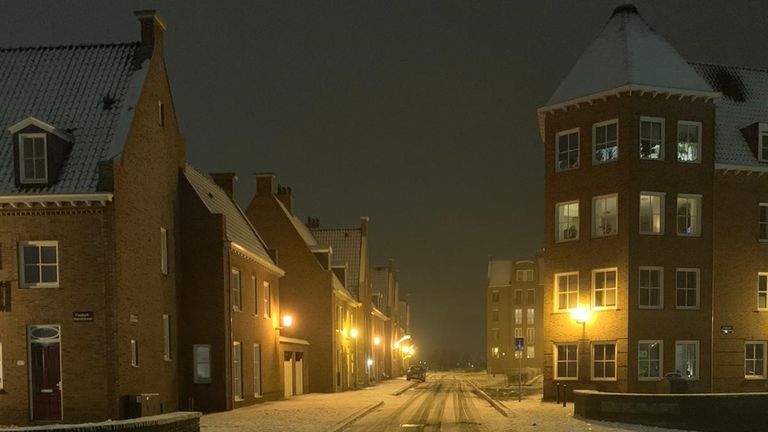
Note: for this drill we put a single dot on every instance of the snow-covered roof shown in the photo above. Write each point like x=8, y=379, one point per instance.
x=346, y=244
x=87, y=91
x=239, y=228
x=744, y=102
x=628, y=52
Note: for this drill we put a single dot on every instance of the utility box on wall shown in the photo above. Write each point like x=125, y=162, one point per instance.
x=143, y=405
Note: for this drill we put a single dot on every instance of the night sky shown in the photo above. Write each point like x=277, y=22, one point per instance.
x=421, y=115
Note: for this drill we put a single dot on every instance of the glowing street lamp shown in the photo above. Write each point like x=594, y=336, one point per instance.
x=580, y=315
x=376, y=340
x=370, y=362
x=287, y=320
x=353, y=333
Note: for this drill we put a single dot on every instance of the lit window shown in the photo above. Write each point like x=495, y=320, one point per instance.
x=518, y=332
x=33, y=158
x=651, y=138
x=568, y=150
x=603, y=361
x=651, y=213
x=689, y=215
x=164, y=251
x=688, y=141
x=687, y=359
x=605, y=142
x=529, y=316
x=687, y=288
x=39, y=264
x=567, y=289
x=763, y=221
x=651, y=287
x=530, y=336
x=267, y=300
x=605, y=215
x=237, y=371
x=166, y=338
x=567, y=221
x=566, y=362
x=649, y=360
x=201, y=357
x=754, y=360
x=134, y=353
x=236, y=290
x=604, y=288
x=530, y=352
x=762, y=291
x=495, y=296
x=518, y=316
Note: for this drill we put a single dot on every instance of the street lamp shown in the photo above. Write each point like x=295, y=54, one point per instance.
x=376, y=340
x=287, y=320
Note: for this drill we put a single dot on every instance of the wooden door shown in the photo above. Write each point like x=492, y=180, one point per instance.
x=45, y=377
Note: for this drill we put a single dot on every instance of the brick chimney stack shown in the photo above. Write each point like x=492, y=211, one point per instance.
x=152, y=30
x=225, y=181
x=364, y=225
x=265, y=184
x=285, y=195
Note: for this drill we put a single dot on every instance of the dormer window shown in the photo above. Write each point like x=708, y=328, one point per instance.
x=33, y=158
x=763, y=143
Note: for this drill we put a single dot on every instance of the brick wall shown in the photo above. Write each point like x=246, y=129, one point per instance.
x=175, y=422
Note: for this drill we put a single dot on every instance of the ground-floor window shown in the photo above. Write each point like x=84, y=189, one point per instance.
x=531, y=352
x=256, y=370
x=604, y=361
x=566, y=361
x=649, y=355
x=237, y=371
x=201, y=357
x=687, y=359
x=754, y=360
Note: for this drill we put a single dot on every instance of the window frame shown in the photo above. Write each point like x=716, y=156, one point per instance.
x=677, y=141
x=763, y=375
x=660, y=360
x=568, y=132
x=22, y=264
x=258, y=384
x=255, y=286
x=518, y=316
x=237, y=366
x=698, y=229
x=698, y=357
x=660, y=287
x=236, y=289
x=762, y=137
x=595, y=199
x=616, y=289
x=164, y=251
x=558, y=239
x=678, y=270
x=662, y=144
x=167, y=338
x=22, y=177
x=595, y=126
x=530, y=336
x=765, y=292
x=592, y=361
x=267, y=298
x=662, y=208
x=134, y=353
x=495, y=315
x=556, y=360
x=196, y=378
x=762, y=223
x=530, y=316
x=567, y=293
x=495, y=296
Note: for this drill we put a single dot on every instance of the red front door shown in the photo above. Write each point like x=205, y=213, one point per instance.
x=45, y=371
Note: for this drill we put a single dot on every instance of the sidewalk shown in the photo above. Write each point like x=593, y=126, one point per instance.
x=314, y=412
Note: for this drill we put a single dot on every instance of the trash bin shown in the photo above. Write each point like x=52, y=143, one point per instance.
x=677, y=384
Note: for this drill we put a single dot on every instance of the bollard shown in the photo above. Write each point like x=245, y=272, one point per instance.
x=564, y=394
x=557, y=393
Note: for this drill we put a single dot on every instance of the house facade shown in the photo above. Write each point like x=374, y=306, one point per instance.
x=655, y=219
x=385, y=287
x=514, y=309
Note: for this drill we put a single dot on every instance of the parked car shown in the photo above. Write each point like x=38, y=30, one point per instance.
x=416, y=372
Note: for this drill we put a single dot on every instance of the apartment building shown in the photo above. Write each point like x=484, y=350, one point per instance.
x=514, y=310
x=655, y=219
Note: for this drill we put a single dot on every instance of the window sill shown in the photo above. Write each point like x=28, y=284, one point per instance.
x=657, y=234
x=689, y=235
x=649, y=379
x=596, y=162
x=604, y=379
x=26, y=286
x=239, y=399
x=567, y=240
x=595, y=237
x=755, y=378
x=566, y=379
x=560, y=170
x=684, y=308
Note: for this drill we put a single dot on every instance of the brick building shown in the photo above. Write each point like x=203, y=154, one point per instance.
x=656, y=216
x=385, y=286
x=514, y=309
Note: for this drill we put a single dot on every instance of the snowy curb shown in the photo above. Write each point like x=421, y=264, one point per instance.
x=344, y=423
x=405, y=387
x=494, y=403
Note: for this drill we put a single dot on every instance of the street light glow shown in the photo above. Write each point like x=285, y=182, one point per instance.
x=353, y=333
x=376, y=340
x=580, y=315
x=287, y=320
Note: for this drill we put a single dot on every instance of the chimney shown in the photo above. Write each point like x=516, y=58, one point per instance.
x=152, y=29
x=225, y=181
x=265, y=184
x=285, y=195
x=313, y=222
x=364, y=225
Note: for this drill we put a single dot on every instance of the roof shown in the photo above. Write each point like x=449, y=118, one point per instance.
x=239, y=229
x=87, y=91
x=628, y=52
x=346, y=244
x=744, y=102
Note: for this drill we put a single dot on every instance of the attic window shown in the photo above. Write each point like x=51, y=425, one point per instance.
x=33, y=158
x=160, y=113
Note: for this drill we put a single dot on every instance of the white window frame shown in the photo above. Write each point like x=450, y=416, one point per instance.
x=592, y=361
x=660, y=360
x=762, y=224
x=518, y=316
x=163, y=250
x=662, y=196
x=236, y=289
x=698, y=287
x=237, y=371
x=695, y=377
x=595, y=228
x=567, y=293
x=662, y=147
x=677, y=141
x=594, y=141
x=558, y=151
x=530, y=336
x=640, y=287
x=22, y=264
x=255, y=286
x=134, y=353
x=518, y=332
x=23, y=179
x=196, y=360
x=167, y=353
x=267, y=297
x=530, y=316
x=558, y=232
x=697, y=226
x=575, y=361
x=763, y=293
x=762, y=374
x=615, y=289
x=257, y=379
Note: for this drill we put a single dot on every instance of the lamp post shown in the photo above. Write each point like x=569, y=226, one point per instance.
x=581, y=315
x=353, y=335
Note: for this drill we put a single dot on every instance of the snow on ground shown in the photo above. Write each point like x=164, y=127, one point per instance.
x=306, y=413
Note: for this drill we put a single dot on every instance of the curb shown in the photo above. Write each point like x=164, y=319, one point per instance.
x=494, y=403
x=344, y=423
x=405, y=387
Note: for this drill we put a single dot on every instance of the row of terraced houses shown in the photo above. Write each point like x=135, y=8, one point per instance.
x=655, y=263
x=133, y=284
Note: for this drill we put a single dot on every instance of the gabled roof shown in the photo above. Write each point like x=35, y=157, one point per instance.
x=87, y=91
x=346, y=244
x=628, y=52
x=744, y=102
x=239, y=228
